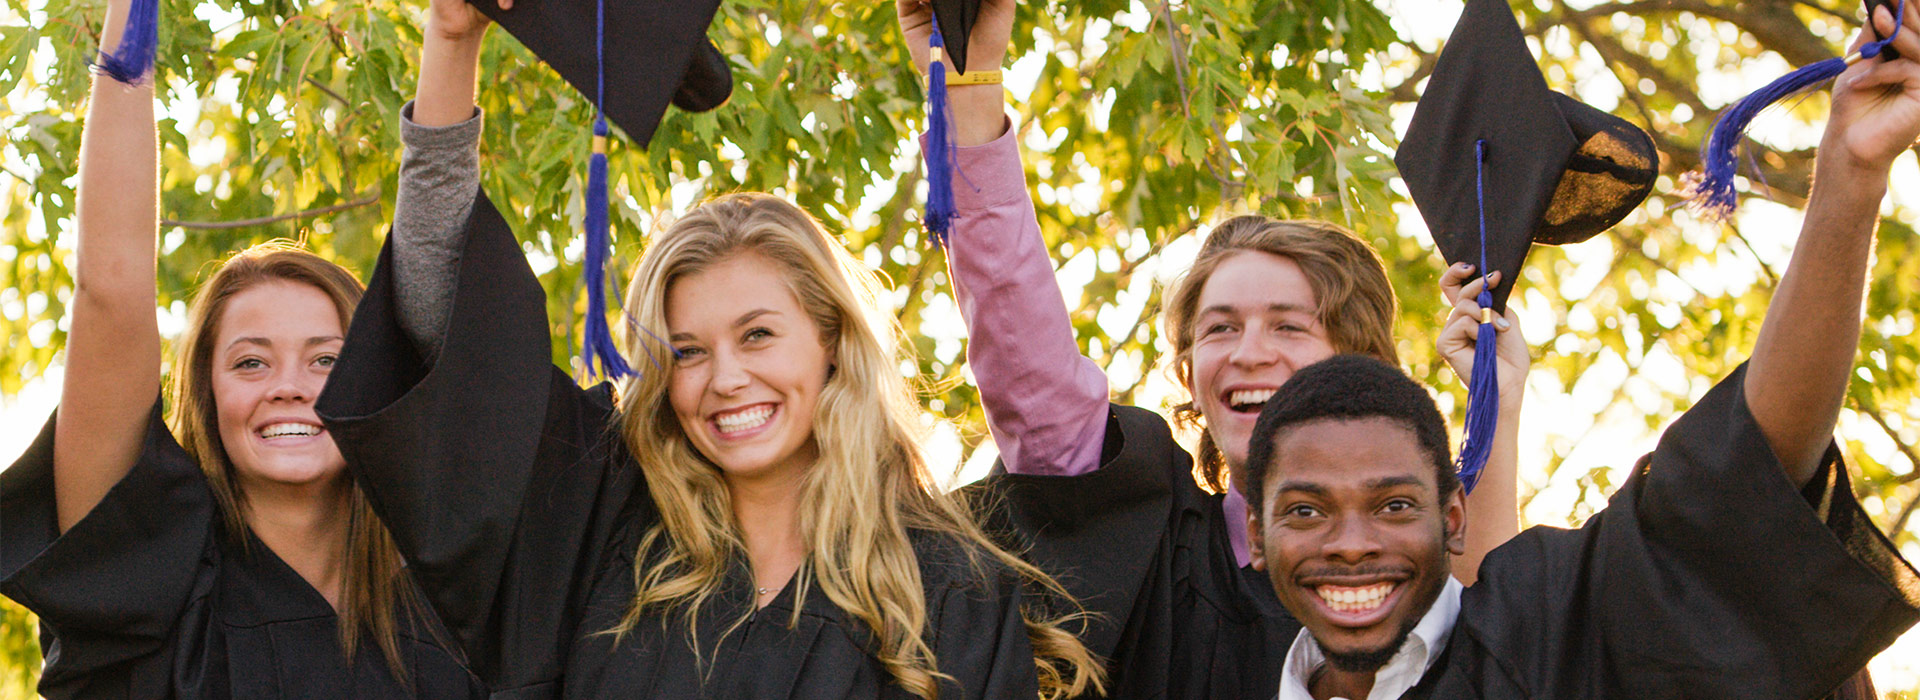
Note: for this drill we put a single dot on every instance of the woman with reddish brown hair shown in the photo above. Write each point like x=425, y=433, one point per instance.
x=230, y=556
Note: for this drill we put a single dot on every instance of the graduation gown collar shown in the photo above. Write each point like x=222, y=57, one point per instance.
x=260, y=588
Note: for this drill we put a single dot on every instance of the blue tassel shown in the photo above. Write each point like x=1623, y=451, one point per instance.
x=940, y=205
x=1712, y=193
x=599, y=340
x=1483, y=400
x=1483, y=390
x=133, y=58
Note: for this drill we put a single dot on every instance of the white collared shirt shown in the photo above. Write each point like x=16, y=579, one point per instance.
x=1422, y=648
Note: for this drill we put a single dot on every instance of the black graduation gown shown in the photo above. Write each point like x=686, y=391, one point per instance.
x=149, y=596
x=1707, y=576
x=1139, y=543
x=520, y=510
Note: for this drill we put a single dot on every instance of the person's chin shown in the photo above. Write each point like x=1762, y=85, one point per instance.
x=1363, y=660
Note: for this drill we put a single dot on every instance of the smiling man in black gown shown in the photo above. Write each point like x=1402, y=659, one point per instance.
x=1733, y=563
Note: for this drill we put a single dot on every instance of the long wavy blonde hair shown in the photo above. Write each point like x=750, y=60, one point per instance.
x=372, y=582
x=870, y=485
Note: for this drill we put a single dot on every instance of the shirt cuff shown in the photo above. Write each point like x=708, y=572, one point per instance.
x=464, y=135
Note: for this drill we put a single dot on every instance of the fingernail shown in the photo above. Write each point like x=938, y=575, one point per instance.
x=1501, y=324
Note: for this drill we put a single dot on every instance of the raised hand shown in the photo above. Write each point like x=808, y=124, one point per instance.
x=987, y=46
x=979, y=111
x=1876, y=102
x=1461, y=287
x=458, y=19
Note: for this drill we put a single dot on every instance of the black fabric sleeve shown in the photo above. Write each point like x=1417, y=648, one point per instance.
x=112, y=588
x=1142, y=548
x=1098, y=533
x=499, y=478
x=1709, y=575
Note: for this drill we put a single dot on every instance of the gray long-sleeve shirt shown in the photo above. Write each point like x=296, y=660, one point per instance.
x=439, y=178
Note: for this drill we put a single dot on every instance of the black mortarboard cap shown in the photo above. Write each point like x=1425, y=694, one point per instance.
x=1555, y=171
x=656, y=52
x=956, y=25
x=1497, y=162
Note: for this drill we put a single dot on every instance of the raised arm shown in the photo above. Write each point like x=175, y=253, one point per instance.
x=113, y=341
x=1493, y=511
x=440, y=170
x=1046, y=404
x=1798, y=375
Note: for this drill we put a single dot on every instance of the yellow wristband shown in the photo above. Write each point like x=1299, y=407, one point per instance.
x=978, y=77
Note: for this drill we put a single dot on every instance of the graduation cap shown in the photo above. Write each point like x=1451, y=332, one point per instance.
x=1496, y=162
x=660, y=55
x=1712, y=190
x=952, y=27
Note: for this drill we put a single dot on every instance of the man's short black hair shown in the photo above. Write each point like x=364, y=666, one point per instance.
x=1348, y=387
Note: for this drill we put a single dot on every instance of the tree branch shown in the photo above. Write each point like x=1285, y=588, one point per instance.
x=1772, y=22
x=329, y=91
x=1894, y=435
x=371, y=198
x=1229, y=189
x=1906, y=513
x=1617, y=55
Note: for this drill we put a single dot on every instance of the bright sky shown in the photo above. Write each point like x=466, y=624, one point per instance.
x=1554, y=414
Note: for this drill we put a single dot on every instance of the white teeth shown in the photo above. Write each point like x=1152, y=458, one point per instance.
x=1249, y=397
x=286, y=429
x=744, y=420
x=1353, y=600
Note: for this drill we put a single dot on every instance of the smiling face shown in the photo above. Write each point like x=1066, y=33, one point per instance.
x=1257, y=323
x=750, y=369
x=274, y=349
x=1354, y=535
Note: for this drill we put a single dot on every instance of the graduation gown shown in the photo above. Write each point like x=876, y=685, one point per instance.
x=1138, y=543
x=149, y=596
x=1707, y=576
x=520, y=511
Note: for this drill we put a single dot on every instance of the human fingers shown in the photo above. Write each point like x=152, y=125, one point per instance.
x=1907, y=40
x=1903, y=72
x=1452, y=278
x=1478, y=284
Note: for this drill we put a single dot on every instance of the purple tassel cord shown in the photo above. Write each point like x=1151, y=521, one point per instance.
x=599, y=340
x=1712, y=192
x=130, y=62
x=1483, y=390
x=940, y=205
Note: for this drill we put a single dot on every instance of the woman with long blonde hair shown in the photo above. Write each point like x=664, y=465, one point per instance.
x=223, y=552
x=751, y=517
